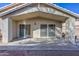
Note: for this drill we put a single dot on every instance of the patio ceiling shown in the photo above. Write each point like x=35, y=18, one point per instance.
x=40, y=15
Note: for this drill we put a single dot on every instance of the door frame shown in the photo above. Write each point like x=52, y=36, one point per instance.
x=25, y=31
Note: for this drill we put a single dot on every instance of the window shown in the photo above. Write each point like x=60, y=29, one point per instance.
x=51, y=30
x=43, y=29
x=47, y=30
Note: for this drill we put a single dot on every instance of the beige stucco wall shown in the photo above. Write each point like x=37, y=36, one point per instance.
x=14, y=29
x=35, y=28
x=5, y=36
x=77, y=28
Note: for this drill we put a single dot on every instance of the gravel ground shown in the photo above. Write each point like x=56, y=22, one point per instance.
x=40, y=53
x=40, y=50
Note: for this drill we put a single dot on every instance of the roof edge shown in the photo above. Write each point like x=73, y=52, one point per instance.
x=64, y=10
x=52, y=5
x=12, y=9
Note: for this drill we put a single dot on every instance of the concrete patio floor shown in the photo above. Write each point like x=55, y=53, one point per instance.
x=30, y=41
x=36, y=45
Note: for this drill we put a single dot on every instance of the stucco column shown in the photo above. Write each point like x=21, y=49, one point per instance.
x=10, y=29
x=6, y=30
x=70, y=30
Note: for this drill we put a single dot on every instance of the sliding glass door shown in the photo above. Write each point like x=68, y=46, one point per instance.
x=24, y=30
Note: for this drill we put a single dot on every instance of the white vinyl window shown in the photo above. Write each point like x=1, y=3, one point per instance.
x=51, y=30
x=43, y=30
x=47, y=30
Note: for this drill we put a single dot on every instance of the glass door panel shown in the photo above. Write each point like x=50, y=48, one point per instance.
x=28, y=30
x=21, y=30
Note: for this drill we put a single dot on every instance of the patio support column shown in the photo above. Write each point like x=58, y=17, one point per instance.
x=70, y=30
x=7, y=30
x=10, y=30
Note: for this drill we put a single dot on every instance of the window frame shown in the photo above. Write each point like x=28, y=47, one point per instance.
x=41, y=30
x=51, y=31
x=24, y=34
x=47, y=31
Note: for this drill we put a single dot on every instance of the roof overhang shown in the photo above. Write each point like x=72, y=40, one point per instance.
x=52, y=5
x=39, y=14
x=13, y=9
x=64, y=10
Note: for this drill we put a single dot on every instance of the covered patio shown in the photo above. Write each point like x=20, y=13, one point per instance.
x=38, y=23
x=33, y=22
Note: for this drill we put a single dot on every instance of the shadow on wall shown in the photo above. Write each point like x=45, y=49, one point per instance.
x=0, y=35
x=58, y=33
